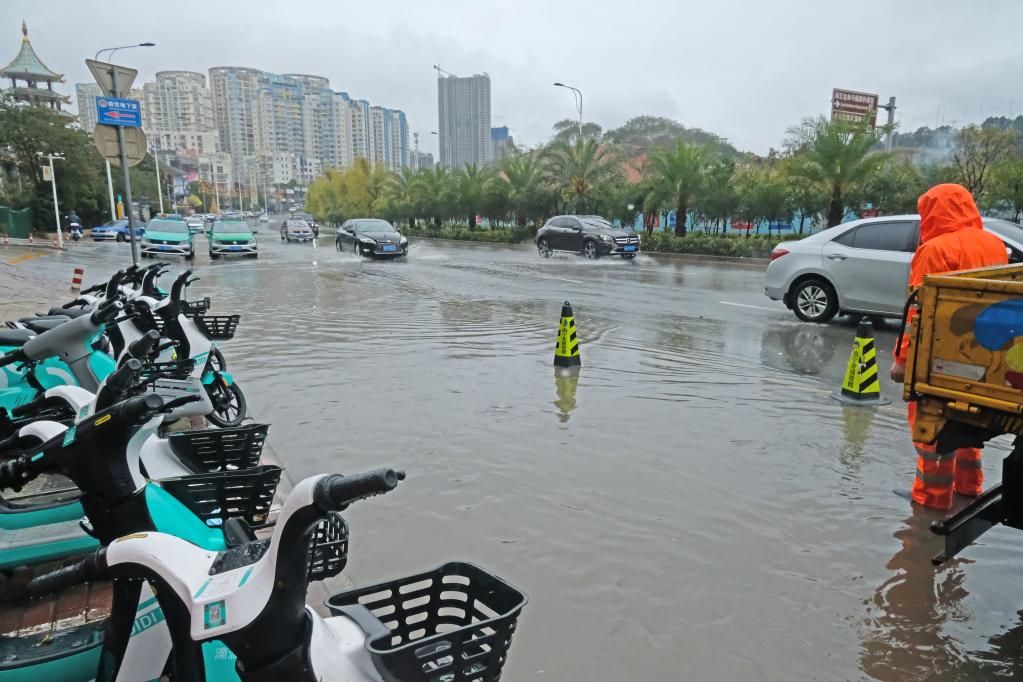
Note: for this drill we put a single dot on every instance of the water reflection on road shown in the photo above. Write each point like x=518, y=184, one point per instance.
x=692, y=505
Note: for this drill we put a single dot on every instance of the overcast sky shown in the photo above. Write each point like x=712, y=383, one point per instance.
x=745, y=70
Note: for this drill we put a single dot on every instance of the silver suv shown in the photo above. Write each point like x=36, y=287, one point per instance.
x=858, y=267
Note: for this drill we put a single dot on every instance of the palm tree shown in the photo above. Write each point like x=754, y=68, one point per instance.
x=435, y=193
x=578, y=170
x=833, y=154
x=675, y=177
x=471, y=183
x=523, y=180
x=402, y=194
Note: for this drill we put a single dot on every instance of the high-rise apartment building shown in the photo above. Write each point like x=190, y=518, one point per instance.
x=502, y=145
x=236, y=109
x=389, y=132
x=463, y=113
x=178, y=100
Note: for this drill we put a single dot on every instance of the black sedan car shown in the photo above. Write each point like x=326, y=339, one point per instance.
x=296, y=231
x=590, y=235
x=371, y=237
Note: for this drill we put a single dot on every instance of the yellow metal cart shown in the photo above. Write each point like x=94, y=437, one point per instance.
x=965, y=369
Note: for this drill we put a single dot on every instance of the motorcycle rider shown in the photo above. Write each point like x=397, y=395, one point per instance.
x=74, y=225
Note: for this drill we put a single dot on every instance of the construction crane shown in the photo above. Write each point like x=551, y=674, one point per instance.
x=441, y=71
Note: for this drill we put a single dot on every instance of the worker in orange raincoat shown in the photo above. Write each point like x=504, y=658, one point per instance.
x=952, y=237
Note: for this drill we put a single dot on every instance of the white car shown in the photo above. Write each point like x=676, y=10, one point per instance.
x=859, y=267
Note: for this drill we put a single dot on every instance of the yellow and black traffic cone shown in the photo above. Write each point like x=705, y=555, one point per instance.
x=862, y=385
x=566, y=352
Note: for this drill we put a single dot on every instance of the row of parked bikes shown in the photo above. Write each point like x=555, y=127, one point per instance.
x=209, y=576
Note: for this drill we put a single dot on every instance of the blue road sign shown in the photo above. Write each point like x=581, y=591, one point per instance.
x=118, y=112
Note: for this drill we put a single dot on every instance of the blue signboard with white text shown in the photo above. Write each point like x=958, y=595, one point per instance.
x=118, y=112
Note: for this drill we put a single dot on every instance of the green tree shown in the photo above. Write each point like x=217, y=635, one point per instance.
x=25, y=131
x=471, y=184
x=567, y=130
x=525, y=189
x=436, y=193
x=675, y=178
x=1006, y=185
x=893, y=185
x=976, y=150
x=576, y=171
x=717, y=202
x=834, y=154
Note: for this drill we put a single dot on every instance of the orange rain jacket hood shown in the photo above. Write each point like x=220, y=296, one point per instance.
x=952, y=237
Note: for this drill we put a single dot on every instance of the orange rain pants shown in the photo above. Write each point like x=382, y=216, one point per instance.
x=938, y=474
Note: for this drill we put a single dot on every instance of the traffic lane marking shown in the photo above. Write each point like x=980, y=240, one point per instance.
x=22, y=259
x=748, y=305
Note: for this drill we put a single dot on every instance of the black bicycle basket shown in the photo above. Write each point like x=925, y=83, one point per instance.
x=328, y=547
x=451, y=624
x=177, y=370
x=144, y=318
x=217, y=327
x=214, y=498
x=194, y=308
x=229, y=449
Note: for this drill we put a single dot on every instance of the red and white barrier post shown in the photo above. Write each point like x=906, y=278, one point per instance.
x=76, y=279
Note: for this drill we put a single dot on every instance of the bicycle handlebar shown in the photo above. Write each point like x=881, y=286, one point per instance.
x=180, y=283
x=79, y=301
x=144, y=346
x=106, y=312
x=29, y=407
x=16, y=355
x=92, y=567
x=113, y=283
x=336, y=492
x=89, y=290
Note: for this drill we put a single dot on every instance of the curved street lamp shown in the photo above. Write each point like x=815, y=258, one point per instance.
x=578, y=96
x=112, y=50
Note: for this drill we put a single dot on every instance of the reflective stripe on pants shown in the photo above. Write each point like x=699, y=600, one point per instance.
x=938, y=473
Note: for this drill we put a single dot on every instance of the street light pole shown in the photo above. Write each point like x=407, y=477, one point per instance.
x=159, y=189
x=577, y=95
x=110, y=191
x=53, y=183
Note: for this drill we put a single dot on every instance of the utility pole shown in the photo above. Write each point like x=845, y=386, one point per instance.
x=578, y=96
x=159, y=190
x=110, y=191
x=53, y=183
x=890, y=108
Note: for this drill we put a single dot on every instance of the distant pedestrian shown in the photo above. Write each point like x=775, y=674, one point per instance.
x=952, y=237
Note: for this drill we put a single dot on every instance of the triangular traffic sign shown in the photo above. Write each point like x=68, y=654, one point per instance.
x=109, y=75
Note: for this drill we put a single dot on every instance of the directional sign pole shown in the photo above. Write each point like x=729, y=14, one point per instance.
x=127, y=180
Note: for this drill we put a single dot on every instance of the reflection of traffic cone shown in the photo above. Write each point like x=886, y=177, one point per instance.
x=566, y=352
x=862, y=385
x=566, y=381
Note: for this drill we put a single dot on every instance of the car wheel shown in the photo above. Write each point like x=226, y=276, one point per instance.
x=190, y=255
x=214, y=256
x=120, y=238
x=590, y=250
x=814, y=300
x=337, y=245
x=544, y=247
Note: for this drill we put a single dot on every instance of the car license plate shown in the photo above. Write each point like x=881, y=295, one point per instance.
x=165, y=248
x=630, y=248
x=234, y=248
x=390, y=247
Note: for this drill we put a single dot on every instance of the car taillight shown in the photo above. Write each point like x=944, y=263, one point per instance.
x=778, y=253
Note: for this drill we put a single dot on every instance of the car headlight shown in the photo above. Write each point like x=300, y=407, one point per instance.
x=366, y=240
x=607, y=238
x=404, y=240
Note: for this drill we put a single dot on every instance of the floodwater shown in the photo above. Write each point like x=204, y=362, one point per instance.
x=693, y=506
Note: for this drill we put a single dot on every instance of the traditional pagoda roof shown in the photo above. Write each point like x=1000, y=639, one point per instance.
x=27, y=65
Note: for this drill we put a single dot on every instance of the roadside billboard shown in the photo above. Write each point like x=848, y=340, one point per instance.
x=850, y=105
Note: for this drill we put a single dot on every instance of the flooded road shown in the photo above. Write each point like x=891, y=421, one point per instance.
x=694, y=506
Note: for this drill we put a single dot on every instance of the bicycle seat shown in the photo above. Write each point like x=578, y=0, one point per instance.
x=15, y=337
x=68, y=312
x=43, y=324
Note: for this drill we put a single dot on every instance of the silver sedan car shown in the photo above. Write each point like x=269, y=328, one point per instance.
x=859, y=267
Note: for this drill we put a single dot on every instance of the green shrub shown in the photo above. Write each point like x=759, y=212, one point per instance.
x=497, y=235
x=700, y=243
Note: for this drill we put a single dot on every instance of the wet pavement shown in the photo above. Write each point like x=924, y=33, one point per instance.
x=694, y=505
